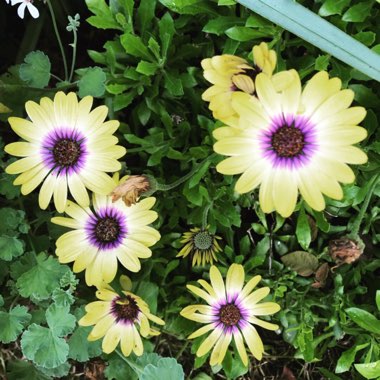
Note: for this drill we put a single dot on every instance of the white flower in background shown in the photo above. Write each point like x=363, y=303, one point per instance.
x=25, y=4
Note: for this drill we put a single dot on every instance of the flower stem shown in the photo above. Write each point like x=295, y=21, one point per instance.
x=74, y=45
x=356, y=226
x=58, y=38
x=133, y=365
x=164, y=187
x=205, y=215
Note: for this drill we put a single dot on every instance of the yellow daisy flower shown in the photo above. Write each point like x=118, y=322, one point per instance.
x=293, y=141
x=119, y=318
x=229, y=73
x=202, y=246
x=105, y=234
x=231, y=312
x=68, y=148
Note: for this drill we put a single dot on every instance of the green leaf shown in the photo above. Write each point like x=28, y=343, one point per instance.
x=41, y=279
x=304, y=263
x=43, y=347
x=364, y=319
x=123, y=100
x=378, y=299
x=199, y=174
x=358, y=12
x=12, y=323
x=103, y=18
x=166, y=31
x=165, y=368
x=173, y=84
x=220, y=24
x=348, y=357
x=365, y=96
x=145, y=14
x=242, y=33
x=133, y=45
x=146, y=68
x=305, y=24
x=10, y=247
x=92, y=82
x=322, y=62
x=117, y=369
x=369, y=370
x=148, y=291
x=80, y=348
x=333, y=7
x=303, y=230
x=366, y=38
x=22, y=369
x=36, y=69
x=59, y=319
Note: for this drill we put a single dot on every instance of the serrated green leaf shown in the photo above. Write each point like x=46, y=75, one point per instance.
x=12, y=323
x=369, y=370
x=146, y=68
x=41, y=279
x=118, y=370
x=59, y=319
x=43, y=347
x=303, y=230
x=348, y=357
x=36, y=69
x=81, y=349
x=358, y=12
x=304, y=263
x=242, y=33
x=22, y=369
x=92, y=82
x=305, y=24
x=10, y=247
x=166, y=368
x=364, y=319
x=333, y=7
x=173, y=84
x=199, y=174
x=166, y=31
x=145, y=14
x=56, y=372
x=103, y=18
x=133, y=45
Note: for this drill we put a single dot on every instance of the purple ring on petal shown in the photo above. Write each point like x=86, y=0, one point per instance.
x=64, y=151
x=292, y=152
x=107, y=228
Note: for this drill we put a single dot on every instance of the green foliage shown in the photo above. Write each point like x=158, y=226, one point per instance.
x=36, y=69
x=12, y=323
x=92, y=82
x=156, y=367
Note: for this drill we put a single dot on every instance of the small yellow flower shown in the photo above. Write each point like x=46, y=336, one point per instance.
x=201, y=245
x=120, y=318
x=229, y=73
x=231, y=312
x=67, y=148
x=108, y=233
x=293, y=141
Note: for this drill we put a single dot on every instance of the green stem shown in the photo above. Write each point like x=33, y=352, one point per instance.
x=356, y=226
x=58, y=38
x=164, y=187
x=74, y=45
x=133, y=365
x=205, y=215
x=183, y=348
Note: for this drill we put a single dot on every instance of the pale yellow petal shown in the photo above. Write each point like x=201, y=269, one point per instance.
x=60, y=193
x=253, y=340
x=111, y=338
x=285, y=192
x=240, y=347
x=78, y=190
x=46, y=191
x=209, y=342
x=220, y=349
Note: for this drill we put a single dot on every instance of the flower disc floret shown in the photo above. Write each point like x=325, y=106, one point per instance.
x=231, y=313
x=68, y=148
x=105, y=234
x=293, y=141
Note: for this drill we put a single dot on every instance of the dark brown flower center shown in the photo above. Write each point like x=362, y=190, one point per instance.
x=125, y=308
x=288, y=141
x=107, y=230
x=66, y=152
x=203, y=240
x=229, y=315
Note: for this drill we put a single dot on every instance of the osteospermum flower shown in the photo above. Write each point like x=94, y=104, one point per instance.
x=119, y=318
x=201, y=245
x=105, y=234
x=293, y=141
x=68, y=147
x=231, y=312
x=25, y=4
x=229, y=74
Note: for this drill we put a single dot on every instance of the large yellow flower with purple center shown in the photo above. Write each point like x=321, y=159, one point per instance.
x=293, y=141
x=230, y=314
x=67, y=148
x=105, y=234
